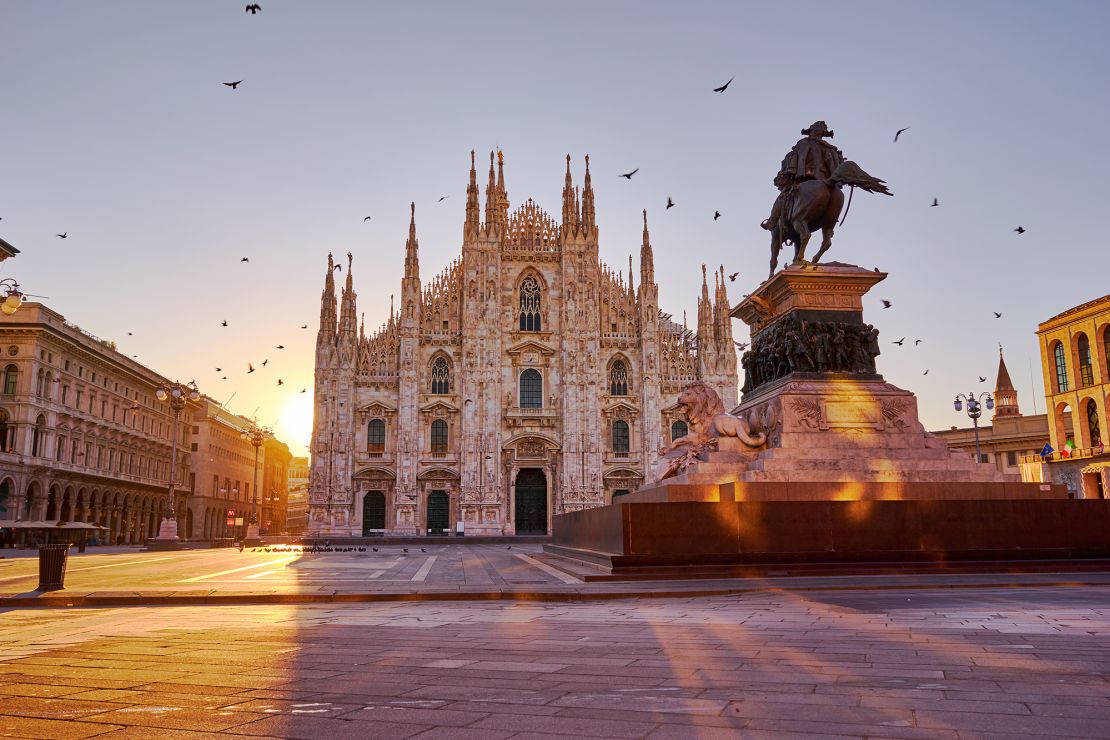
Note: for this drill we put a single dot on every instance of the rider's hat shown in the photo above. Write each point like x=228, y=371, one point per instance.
x=818, y=128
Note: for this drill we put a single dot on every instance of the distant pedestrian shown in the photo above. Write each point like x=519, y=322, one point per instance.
x=240, y=546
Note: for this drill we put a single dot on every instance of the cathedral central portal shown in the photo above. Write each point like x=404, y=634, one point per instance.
x=525, y=380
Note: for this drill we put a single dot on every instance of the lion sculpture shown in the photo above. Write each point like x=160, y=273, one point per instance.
x=707, y=421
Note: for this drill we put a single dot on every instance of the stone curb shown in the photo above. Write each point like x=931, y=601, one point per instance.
x=56, y=599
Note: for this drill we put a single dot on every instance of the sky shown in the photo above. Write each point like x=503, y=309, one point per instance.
x=116, y=129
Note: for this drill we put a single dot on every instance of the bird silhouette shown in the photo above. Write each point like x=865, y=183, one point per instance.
x=223, y=377
x=405, y=549
x=886, y=303
x=740, y=345
x=670, y=204
x=1020, y=230
x=223, y=323
x=724, y=87
x=917, y=342
x=339, y=267
x=304, y=390
x=925, y=373
x=996, y=314
x=899, y=342
x=250, y=368
x=423, y=550
x=234, y=85
x=935, y=203
x=374, y=549
x=245, y=259
x=443, y=198
x=628, y=175
x=219, y=369
x=264, y=362
x=365, y=219
x=128, y=333
x=732, y=277
x=304, y=326
x=253, y=8
x=62, y=236
x=899, y=133
x=281, y=346
x=510, y=547
x=281, y=382
x=982, y=379
x=716, y=215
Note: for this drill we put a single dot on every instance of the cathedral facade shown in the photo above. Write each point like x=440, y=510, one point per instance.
x=524, y=380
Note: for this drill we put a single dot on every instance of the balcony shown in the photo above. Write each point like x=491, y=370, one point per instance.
x=517, y=416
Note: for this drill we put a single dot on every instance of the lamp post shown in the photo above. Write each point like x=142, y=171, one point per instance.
x=974, y=410
x=177, y=394
x=13, y=298
x=256, y=435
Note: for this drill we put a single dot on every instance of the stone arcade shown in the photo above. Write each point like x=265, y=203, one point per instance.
x=525, y=380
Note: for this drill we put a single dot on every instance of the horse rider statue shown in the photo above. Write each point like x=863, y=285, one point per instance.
x=810, y=183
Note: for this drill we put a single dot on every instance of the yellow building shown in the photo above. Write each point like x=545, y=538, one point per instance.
x=1075, y=350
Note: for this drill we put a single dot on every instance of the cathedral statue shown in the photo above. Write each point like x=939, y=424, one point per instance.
x=810, y=183
x=708, y=423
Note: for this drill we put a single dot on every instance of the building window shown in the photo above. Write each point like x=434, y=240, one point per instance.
x=11, y=380
x=40, y=385
x=38, y=436
x=679, y=429
x=531, y=389
x=620, y=436
x=529, y=304
x=6, y=432
x=618, y=379
x=1011, y=458
x=375, y=436
x=59, y=451
x=1061, y=368
x=1092, y=423
x=441, y=376
x=1086, y=376
x=984, y=458
x=439, y=437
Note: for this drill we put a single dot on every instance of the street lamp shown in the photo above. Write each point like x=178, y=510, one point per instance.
x=177, y=394
x=256, y=435
x=974, y=410
x=13, y=298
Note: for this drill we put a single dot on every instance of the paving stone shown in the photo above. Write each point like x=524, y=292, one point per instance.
x=313, y=728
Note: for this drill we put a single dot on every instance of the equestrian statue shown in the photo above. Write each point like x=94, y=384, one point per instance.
x=810, y=183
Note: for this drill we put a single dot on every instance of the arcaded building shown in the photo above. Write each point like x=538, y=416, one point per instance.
x=525, y=379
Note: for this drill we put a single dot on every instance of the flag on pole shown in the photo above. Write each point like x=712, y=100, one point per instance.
x=1047, y=450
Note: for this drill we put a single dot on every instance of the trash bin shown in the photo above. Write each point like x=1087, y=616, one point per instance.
x=52, y=567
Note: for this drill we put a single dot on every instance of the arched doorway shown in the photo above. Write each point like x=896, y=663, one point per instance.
x=439, y=512
x=373, y=513
x=531, y=502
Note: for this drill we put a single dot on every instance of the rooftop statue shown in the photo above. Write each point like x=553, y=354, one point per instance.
x=810, y=183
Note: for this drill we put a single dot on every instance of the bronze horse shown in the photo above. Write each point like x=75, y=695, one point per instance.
x=813, y=205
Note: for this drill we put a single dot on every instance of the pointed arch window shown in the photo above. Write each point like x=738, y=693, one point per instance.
x=1092, y=424
x=679, y=429
x=531, y=389
x=375, y=436
x=441, y=375
x=11, y=380
x=439, y=437
x=618, y=378
x=1086, y=374
x=530, y=304
x=1061, y=367
x=620, y=436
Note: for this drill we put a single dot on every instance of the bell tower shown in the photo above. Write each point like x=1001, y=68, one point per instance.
x=1005, y=397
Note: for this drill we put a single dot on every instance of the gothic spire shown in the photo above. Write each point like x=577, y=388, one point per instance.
x=569, y=217
x=327, y=302
x=647, y=259
x=347, y=320
x=412, y=247
x=491, y=194
x=589, y=219
x=502, y=193
x=471, y=226
x=631, y=287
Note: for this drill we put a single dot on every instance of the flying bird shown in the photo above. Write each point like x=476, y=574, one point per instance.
x=223, y=323
x=982, y=379
x=740, y=345
x=443, y=199
x=250, y=368
x=935, y=203
x=265, y=361
x=219, y=369
x=917, y=342
x=886, y=303
x=628, y=175
x=366, y=219
x=724, y=87
x=244, y=259
x=253, y=8
x=339, y=267
x=62, y=236
x=281, y=382
x=996, y=314
x=732, y=277
x=670, y=204
x=1020, y=230
x=223, y=378
x=128, y=333
x=304, y=326
x=281, y=346
x=233, y=85
x=899, y=342
x=304, y=390
x=899, y=133
x=716, y=215
x=925, y=373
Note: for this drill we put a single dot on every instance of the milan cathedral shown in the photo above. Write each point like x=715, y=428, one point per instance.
x=525, y=380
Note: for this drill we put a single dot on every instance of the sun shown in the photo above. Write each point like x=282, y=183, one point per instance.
x=295, y=425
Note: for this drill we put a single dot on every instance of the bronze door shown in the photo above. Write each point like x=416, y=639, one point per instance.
x=373, y=512
x=531, y=502
x=439, y=512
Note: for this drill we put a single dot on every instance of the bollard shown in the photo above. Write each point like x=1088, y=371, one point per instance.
x=52, y=567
